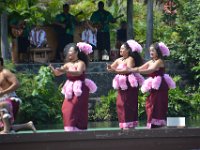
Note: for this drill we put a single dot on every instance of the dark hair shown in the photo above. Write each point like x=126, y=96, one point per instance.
x=81, y=55
x=1, y=61
x=66, y=5
x=135, y=55
x=157, y=48
x=100, y=4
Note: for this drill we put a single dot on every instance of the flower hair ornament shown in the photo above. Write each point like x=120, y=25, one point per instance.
x=84, y=47
x=135, y=46
x=164, y=49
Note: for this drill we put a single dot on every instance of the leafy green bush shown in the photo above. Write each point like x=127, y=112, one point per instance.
x=106, y=108
x=185, y=47
x=41, y=97
x=183, y=102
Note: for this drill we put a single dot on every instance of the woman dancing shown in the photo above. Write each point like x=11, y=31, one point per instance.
x=77, y=87
x=157, y=85
x=127, y=83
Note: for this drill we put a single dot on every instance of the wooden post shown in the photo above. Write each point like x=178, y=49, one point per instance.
x=130, y=19
x=149, y=38
x=4, y=36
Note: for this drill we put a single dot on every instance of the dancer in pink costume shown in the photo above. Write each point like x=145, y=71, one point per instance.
x=127, y=83
x=77, y=87
x=157, y=85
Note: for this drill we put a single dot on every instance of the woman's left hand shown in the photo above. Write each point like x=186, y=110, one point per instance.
x=109, y=68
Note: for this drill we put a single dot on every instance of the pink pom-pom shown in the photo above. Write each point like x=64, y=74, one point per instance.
x=77, y=88
x=147, y=85
x=156, y=82
x=171, y=84
x=164, y=49
x=122, y=82
x=85, y=47
x=91, y=85
x=132, y=80
x=67, y=90
x=115, y=82
x=135, y=46
x=139, y=78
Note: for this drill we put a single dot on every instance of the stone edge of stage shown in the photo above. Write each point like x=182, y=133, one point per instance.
x=165, y=139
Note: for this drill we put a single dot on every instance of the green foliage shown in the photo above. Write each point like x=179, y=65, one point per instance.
x=182, y=102
x=185, y=47
x=41, y=97
x=196, y=69
x=141, y=105
x=106, y=108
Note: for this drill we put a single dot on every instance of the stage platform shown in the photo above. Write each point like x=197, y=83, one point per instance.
x=104, y=139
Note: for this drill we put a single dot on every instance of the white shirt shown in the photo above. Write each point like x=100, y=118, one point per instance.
x=89, y=37
x=38, y=37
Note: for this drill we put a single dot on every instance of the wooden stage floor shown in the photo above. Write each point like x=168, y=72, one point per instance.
x=104, y=139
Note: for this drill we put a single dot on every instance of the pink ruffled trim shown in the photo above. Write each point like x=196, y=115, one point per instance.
x=164, y=49
x=147, y=85
x=128, y=124
x=170, y=82
x=158, y=122
x=154, y=83
x=139, y=78
x=91, y=85
x=68, y=129
x=135, y=46
x=85, y=47
x=132, y=80
x=77, y=88
x=120, y=81
x=71, y=87
x=67, y=89
x=149, y=125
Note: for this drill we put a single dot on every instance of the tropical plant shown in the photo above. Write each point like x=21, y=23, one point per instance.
x=106, y=108
x=185, y=46
x=41, y=97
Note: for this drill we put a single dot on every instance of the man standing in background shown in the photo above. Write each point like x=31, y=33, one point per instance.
x=101, y=19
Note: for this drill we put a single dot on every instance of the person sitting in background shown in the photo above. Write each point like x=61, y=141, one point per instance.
x=89, y=35
x=38, y=37
x=20, y=31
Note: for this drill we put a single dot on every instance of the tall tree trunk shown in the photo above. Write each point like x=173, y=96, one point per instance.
x=149, y=37
x=130, y=19
x=4, y=36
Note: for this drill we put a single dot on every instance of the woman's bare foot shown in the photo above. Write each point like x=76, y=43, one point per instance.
x=31, y=126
